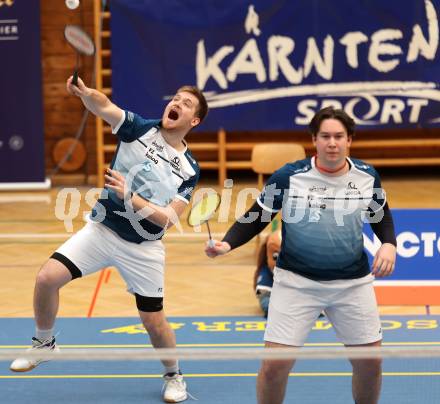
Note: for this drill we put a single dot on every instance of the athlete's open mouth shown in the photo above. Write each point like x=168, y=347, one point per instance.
x=173, y=115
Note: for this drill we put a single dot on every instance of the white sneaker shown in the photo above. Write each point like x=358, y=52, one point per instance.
x=174, y=389
x=25, y=364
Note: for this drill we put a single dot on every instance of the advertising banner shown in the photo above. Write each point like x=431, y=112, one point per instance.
x=267, y=65
x=21, y=105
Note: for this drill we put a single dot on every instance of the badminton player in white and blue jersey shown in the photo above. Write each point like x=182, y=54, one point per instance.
x=153, y=171
x=322, y=265
x=148, y=186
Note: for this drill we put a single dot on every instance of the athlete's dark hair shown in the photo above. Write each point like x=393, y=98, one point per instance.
x=331, y=113
x=202, y=110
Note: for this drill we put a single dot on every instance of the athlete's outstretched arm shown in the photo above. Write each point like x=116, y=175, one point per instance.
x=96, y=102
x=241, y=231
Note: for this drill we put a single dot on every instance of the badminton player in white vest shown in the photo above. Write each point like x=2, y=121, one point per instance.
x=148, y=186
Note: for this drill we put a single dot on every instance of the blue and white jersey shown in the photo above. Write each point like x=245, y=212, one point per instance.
x=322, y=218
x=152, y=169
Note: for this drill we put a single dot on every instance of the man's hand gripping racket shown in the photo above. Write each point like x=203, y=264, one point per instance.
x=200, y=214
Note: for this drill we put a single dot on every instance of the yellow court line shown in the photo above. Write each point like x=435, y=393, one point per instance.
x=196, y=375
x=226, y=345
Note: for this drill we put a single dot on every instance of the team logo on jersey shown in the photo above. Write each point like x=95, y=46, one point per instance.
x=352, y=189
x=318, y=188
x=157, y=146
x=152, y=158
x=301, y=170
x=175, y=163
x=362, y=166
x=316, y=202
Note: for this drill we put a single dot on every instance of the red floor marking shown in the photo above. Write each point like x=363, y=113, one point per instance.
x=109, y=272
x=95, y=294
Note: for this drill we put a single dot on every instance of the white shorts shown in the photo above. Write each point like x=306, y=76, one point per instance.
x=296, y=302
x=141, y=266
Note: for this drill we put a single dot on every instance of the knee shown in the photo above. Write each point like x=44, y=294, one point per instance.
x=275, y=370
x=153, y=321
x=50, y=277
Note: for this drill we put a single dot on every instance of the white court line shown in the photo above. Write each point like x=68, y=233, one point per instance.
x=406, y=283
x=67, y=235
x=25, y=198
x=34, y=235
x=25, y=186
x=189, y=235
x=5, y=21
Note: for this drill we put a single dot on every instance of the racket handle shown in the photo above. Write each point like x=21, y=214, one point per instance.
x=75, y=78
x=211, y=243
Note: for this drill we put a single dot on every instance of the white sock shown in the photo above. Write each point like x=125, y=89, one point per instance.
x=43, y=335
x=172, y=369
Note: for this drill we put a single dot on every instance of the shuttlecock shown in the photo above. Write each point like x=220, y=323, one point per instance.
x=72, y=4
